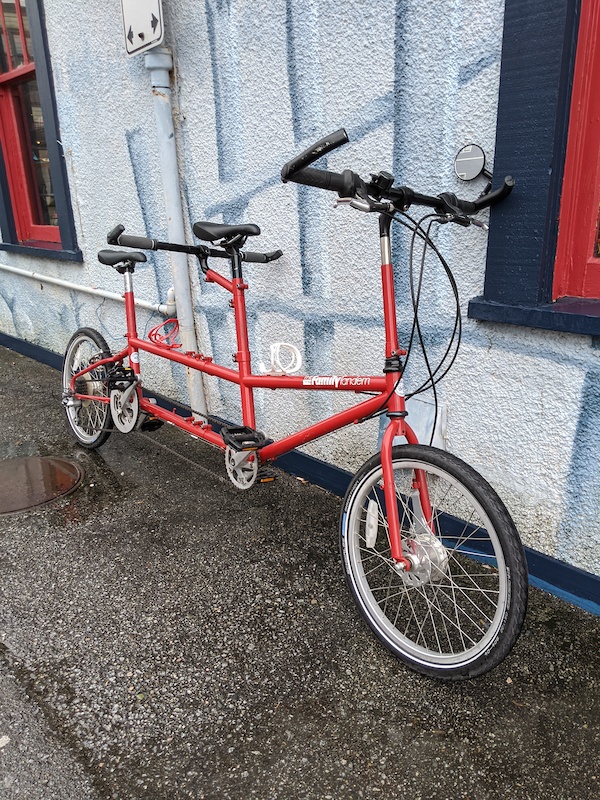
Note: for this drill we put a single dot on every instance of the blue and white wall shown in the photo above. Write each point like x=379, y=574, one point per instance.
x=255, y=83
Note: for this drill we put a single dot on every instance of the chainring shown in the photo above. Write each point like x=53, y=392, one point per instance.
x=124, y=417
x=242, y=467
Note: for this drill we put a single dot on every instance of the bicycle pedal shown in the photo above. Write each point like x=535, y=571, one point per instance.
x=120, y=378
x=266, y=475
x=151, y=424
x=242, y=438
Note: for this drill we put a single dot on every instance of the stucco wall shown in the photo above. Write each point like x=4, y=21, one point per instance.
x=254, y=83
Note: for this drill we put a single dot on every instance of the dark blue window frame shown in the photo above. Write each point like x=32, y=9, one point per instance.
x=538, y=59
x=67, y=249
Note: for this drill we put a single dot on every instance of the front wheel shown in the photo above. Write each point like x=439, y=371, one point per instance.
x=89, y=420
x=460, y=608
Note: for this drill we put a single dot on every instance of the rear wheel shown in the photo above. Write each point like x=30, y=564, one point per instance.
x=89, y=420
x=459, y=609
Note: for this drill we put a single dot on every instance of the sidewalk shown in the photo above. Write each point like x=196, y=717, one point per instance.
x=163, y=635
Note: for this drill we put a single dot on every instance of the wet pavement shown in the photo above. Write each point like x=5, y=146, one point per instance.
x=163, y=635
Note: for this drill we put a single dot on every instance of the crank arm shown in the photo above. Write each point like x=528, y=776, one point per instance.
x=129, y=391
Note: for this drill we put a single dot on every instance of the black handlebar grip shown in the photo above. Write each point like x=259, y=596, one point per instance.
x=504, y=190
x=124, y=240
x=344, y=183
x=312, y=153
x=451, y=202
x=261, y=258
x=113, y=236
x=497, y=195
x=254, y=258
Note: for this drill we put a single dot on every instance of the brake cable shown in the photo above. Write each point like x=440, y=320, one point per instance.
x=418, y=231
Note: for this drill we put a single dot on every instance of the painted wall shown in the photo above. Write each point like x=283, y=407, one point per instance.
x=255, y=83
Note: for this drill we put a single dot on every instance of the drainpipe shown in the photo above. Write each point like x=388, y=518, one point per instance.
x=159, y=62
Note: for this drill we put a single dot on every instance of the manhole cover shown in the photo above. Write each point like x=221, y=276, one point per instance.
x=29, y=482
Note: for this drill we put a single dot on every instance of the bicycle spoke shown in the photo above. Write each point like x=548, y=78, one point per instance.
x=457, y=624
x=455, y=588
x=414, y=618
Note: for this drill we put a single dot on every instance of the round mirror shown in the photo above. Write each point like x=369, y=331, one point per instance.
x=470, y=162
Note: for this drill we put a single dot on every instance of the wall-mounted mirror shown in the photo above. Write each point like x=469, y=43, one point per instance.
x=470, y=163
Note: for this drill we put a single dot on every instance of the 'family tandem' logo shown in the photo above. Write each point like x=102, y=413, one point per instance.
x=335, y=380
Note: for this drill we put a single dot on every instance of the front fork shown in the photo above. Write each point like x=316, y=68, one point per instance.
x=396, y=412
x=421, y=511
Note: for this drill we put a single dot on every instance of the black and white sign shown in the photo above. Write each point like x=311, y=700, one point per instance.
x=143, y=25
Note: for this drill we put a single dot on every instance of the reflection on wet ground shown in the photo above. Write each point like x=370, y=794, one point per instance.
x=34, y=481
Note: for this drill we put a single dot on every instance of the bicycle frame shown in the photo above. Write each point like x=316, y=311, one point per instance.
x=386, y=387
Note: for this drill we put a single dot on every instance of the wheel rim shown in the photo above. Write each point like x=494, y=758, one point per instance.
x=87, y=417
x=450, y=611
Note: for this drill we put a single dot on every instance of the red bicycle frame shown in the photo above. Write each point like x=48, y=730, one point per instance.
x=386, y=387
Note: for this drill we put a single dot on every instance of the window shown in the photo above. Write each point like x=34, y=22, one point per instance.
x=22, y=131
x=525, y=272
x=577, y=267
x=35, y=213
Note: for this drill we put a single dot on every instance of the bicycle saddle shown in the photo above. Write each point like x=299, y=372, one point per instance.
x=209, y=231
x=112, y=257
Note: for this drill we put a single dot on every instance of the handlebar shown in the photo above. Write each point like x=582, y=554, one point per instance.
x=380, y=188
x=117, y=237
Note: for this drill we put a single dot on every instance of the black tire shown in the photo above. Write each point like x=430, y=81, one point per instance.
x=89, y=421
x=458, y=612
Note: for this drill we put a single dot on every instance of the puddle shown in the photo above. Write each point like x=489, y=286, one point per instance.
x=30, y=482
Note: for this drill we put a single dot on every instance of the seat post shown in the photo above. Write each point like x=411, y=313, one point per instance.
x=236, y=263
x=243, y=356
x=134, y=358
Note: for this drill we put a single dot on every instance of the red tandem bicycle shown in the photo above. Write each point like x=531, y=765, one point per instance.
x=429, y=551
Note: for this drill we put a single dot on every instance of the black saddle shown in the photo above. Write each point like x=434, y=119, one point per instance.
x=210, y=231
x=112, y=257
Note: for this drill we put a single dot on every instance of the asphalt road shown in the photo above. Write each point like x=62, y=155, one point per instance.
x=163, y=635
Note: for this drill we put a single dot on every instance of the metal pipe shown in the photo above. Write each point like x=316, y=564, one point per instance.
x=159, y=62
x=169, y=309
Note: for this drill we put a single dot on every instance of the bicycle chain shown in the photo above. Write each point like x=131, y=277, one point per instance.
x=207, y=417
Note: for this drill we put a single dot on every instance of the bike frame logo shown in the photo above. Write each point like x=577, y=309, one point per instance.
x=335, y=380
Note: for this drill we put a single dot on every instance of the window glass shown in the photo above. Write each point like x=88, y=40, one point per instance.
x=3, y=57
x=12, y=33
x=44, y=207
x=26, y=33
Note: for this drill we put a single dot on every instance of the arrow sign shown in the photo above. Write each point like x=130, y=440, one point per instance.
x=142, y=25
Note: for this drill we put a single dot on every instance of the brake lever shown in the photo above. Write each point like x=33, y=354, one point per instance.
x=353, y=202
x=460, y=219
x=455, y=216
x=364, y=204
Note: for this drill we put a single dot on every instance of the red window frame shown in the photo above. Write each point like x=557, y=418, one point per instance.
x=577, y=267
x=16, y=147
